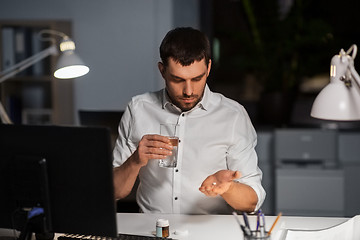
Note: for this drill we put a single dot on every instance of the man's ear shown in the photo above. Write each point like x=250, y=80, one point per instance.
x=209, y=68
x=161, y=69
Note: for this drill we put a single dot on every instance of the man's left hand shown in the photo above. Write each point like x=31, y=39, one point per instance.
x=219, y=182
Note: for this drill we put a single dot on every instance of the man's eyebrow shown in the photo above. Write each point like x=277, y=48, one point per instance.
x=199, y=76
x=174, y=76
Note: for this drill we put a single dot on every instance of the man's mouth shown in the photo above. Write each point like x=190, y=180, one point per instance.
x=187, y=100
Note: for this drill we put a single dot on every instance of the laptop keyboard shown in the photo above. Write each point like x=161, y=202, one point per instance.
x=121, y=236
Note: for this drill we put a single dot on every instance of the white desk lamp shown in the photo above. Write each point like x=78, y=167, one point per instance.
x=69, y=65
x=340, y=99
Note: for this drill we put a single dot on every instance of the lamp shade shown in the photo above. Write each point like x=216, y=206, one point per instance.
x=69, y=65
x=340, y=99
x=337, y=102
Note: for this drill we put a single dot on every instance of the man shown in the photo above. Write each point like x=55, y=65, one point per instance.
x=217, y=165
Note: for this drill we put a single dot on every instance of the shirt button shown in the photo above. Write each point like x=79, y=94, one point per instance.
x=179, y=141
x=176, y=198
x=176, y=170
x=183, y=114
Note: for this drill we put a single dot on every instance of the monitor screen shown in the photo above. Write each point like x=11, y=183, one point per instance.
x=109, y=119
x=65, y=170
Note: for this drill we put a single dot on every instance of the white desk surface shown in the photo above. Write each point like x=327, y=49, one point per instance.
x=215, y=226
x=210, y=226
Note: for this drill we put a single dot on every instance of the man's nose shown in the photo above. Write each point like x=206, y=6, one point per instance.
x=188, y=89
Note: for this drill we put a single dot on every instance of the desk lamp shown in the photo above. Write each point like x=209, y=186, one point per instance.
x=69, y=65
x=340, y=99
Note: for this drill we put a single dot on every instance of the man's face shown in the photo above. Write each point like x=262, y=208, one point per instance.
x=185, y=84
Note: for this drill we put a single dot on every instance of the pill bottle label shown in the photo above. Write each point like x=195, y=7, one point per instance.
x=162, y=228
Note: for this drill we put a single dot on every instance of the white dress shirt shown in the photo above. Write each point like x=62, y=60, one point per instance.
x=216, y=134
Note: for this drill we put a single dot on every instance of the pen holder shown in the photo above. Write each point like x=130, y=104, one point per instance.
x=255, y=235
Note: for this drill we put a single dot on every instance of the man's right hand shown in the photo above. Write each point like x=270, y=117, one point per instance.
x=152, y=147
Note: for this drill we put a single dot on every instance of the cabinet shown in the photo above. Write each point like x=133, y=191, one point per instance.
x=349, y=157
x=308, y=179
x=34, y=96
x=310, y=172
x=264, y=149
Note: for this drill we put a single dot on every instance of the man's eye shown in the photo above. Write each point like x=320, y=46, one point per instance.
x=177, y=79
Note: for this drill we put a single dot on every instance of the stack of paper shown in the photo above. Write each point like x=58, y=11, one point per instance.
x=349, y=230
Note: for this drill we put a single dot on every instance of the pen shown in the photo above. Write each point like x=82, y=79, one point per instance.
x=276, y=220
x=246, y=220
x=247, y=225
x=262, y=225
x=238, y=221
x=257, y=220
x=245, y=229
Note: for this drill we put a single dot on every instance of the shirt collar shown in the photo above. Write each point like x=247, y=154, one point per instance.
x=203, y=104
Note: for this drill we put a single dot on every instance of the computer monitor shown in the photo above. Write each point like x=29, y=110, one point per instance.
x=66, y=171
x=108, y=119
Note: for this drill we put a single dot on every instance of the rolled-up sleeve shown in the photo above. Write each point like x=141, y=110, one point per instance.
x=242, y=156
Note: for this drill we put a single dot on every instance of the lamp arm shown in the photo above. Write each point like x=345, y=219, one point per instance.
x=52, y=50
x=3, y=115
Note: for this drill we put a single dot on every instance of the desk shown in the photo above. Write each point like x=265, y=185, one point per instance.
x=214, y=226
x=209, y=226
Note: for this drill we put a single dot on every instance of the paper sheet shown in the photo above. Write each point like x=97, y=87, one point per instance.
x=349, y=230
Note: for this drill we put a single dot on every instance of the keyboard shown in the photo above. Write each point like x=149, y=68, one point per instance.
x=121, y=236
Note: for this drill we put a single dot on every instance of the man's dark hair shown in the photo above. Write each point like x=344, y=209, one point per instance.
x=185, y=45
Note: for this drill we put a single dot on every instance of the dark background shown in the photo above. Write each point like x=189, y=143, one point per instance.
x=274, y=61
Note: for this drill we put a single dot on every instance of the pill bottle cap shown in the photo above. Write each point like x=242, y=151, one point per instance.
x=162, y=222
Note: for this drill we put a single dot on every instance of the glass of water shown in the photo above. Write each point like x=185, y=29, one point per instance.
x=170, y=131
